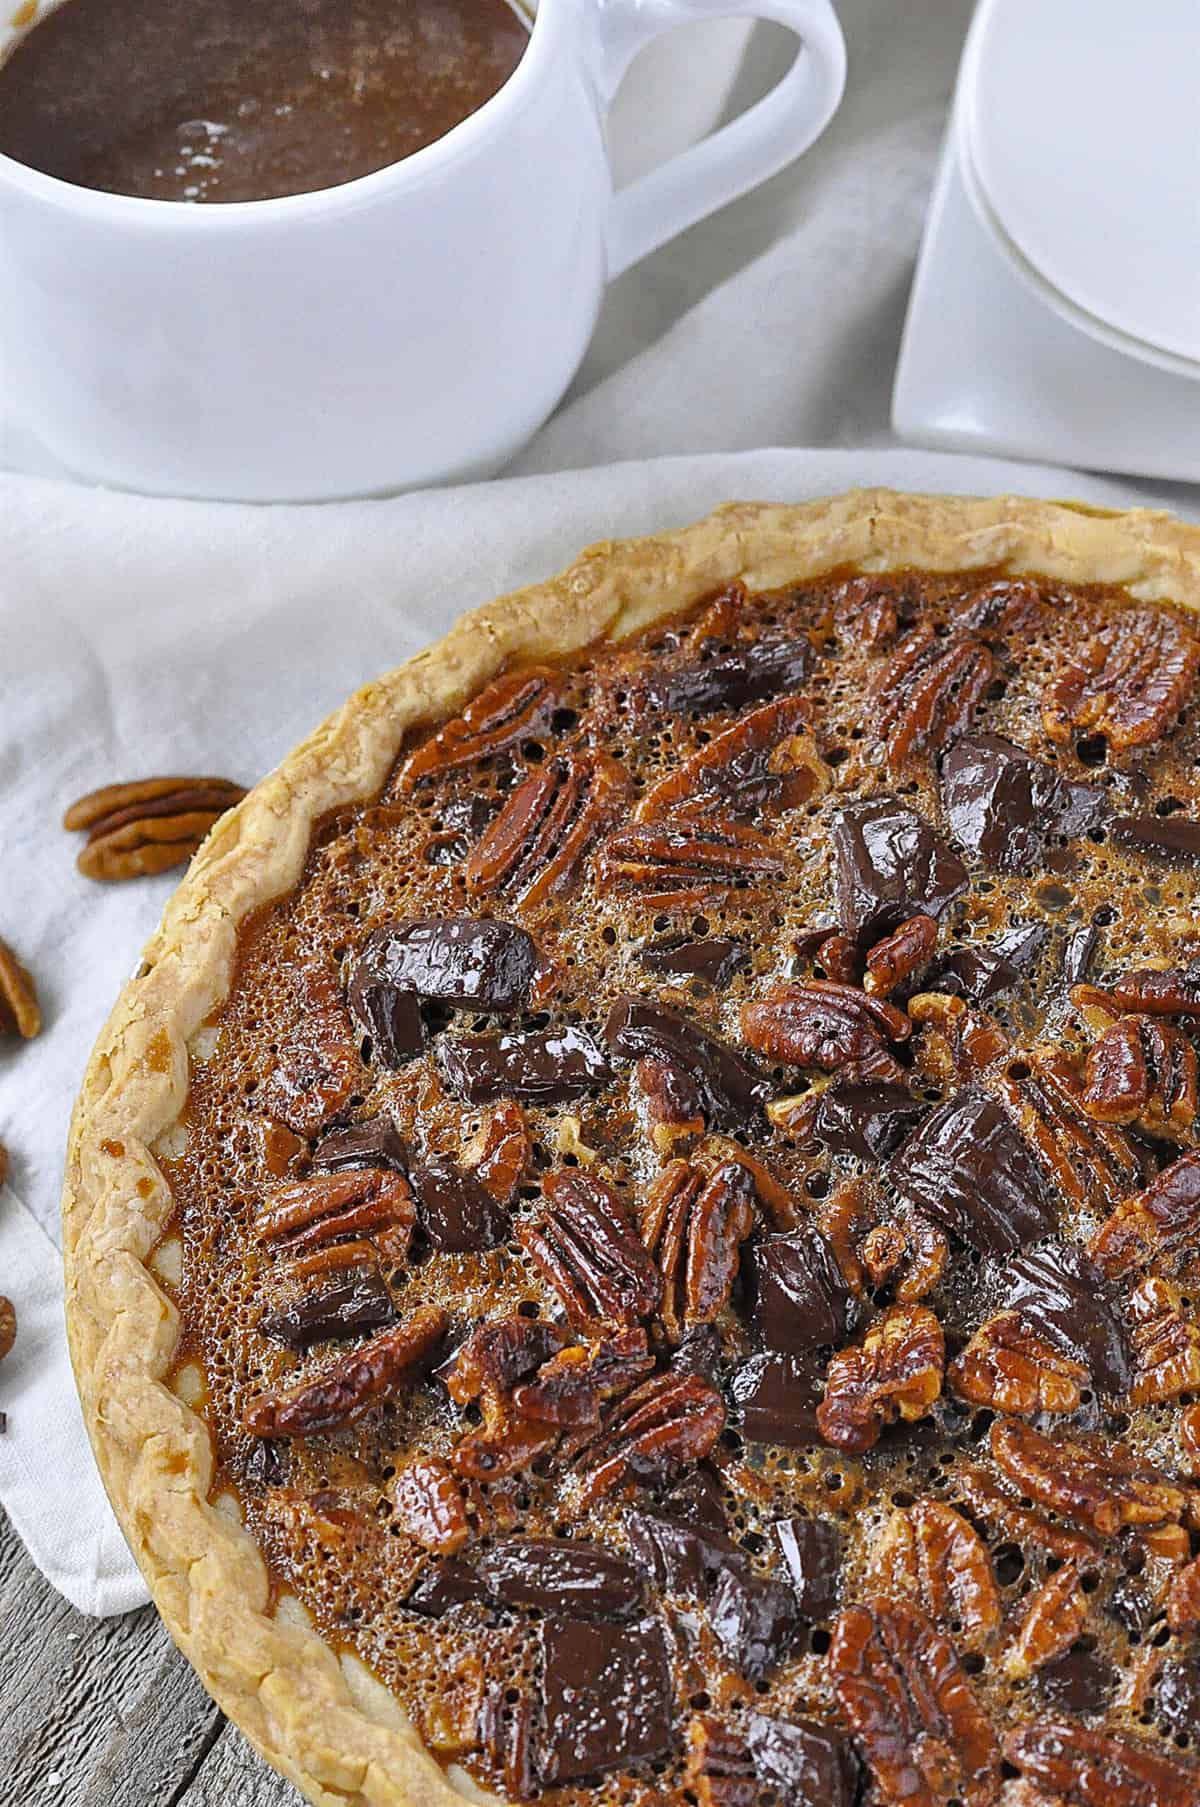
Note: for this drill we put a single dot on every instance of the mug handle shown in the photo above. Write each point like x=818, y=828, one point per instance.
x=742, y=154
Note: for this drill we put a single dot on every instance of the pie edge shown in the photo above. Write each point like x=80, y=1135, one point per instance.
x=324, y=1721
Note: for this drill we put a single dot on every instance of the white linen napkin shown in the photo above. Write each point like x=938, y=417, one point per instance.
x=152, y=636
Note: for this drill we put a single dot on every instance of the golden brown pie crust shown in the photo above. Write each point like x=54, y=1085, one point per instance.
x=321, y=1720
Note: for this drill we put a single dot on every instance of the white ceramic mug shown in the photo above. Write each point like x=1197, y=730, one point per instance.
x=414, y=326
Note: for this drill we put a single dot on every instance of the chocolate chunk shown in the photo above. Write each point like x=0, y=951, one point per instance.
x=1080, y=1682
x=984, y=972
x=349, y=1309
x=1179, y=1695
x=714, y=960
x=553, y=1575
x=454, y=1210
x=1061, y=1293
x=442, y=1585
x=1078, y=953
x=375, y=1143
x=753, y=673
x=681, y=1558
x=812, y=1551
x=776, y=1398
x=1003, y=805
x=806, y=1763
x=387, y=1013
x=699, y=1353
x=267, y=1462
x=888, y=865
x=754, y=1619
x=968, y=1168
x=1173, y=838
x=797, y=1293
x=545, y=1066
x=698, y=1499
x=465, y=963
x=607, y=1697
x=730, y=1090
x=865, y=1117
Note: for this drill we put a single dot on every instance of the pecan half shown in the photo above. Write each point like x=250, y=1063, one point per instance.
x=1093, y=1163
x=670, y=1104
x=1053, y=1619
x=865, y=612
x=1143, y=1071
x=19, y=1012
x=8, y=1326
x=345, y=1390
x=896, y=1371
x=589, y=1252
x=569, y=1389
x=318, y=1069
x=896, y=958
x=956, y=1042
x=496, y=1356
x=500, y=1154
x=1007, y=1367
x=1083, y=1768
x=1166, y=1344
x=512, y=708
x=902, y=1689
x=1158, y=1228
x=149, y=825
x=668, y=1423
x=431, y=1506
x=694, y=1224
x=928, y=692
x=681, y=863
x=1166, y=991
x=818, y=1023
x=535, y=847
x=931, y=1555
x=999, y=608
x=1127, y=682
x=912, y=1254
x=720, y=1770
x=765, y=761
x=1101, y=1487
x=358, y=1202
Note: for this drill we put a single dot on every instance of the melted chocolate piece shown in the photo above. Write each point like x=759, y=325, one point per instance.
x=808, y=1764
x=865, y=1117
x=888, y=865
x=699, y=1353
x=454, y=1210
x=1173, y=838
x=390, y=1015
x=776, y=1398
x=1179, y=1695
x=553, y=1575
x=968, y=1168
x=545, y=1066
x=1078, y=953
x=1080, y=1682
x=753, y=673
x=714, y=960
x=798, y=1296
x=1062, y=1294
x=681, y=1558
x=754, y=1620
x=607, y=1697
x=464, y=963
x=730, y=1090
x=349, y=1309
x=268, y=1462
x=981, y=973
x=698, y=1499
x=442, y=1585
x=812, y=1551
x=1003, y=804
x=375, y=1143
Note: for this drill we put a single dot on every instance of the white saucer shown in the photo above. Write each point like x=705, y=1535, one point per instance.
x=986, y=366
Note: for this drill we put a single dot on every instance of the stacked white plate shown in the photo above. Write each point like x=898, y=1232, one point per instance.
x=1056, y=309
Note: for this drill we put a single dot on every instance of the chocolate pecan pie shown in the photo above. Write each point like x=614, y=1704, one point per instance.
x=636, y=1235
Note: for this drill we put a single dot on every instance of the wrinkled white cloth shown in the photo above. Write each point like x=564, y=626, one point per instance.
x=140, y=636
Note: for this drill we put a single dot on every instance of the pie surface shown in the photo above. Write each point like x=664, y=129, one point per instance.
x=636, y=1235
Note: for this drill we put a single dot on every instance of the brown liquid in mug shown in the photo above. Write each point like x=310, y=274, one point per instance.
x=246, y=100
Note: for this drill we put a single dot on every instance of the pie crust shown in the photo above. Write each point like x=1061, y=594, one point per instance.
x=324, y=1721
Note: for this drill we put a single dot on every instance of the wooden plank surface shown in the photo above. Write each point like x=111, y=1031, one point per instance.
x=103, y=1711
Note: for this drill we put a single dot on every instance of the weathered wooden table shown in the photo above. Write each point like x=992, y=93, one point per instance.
x=106, y=1713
